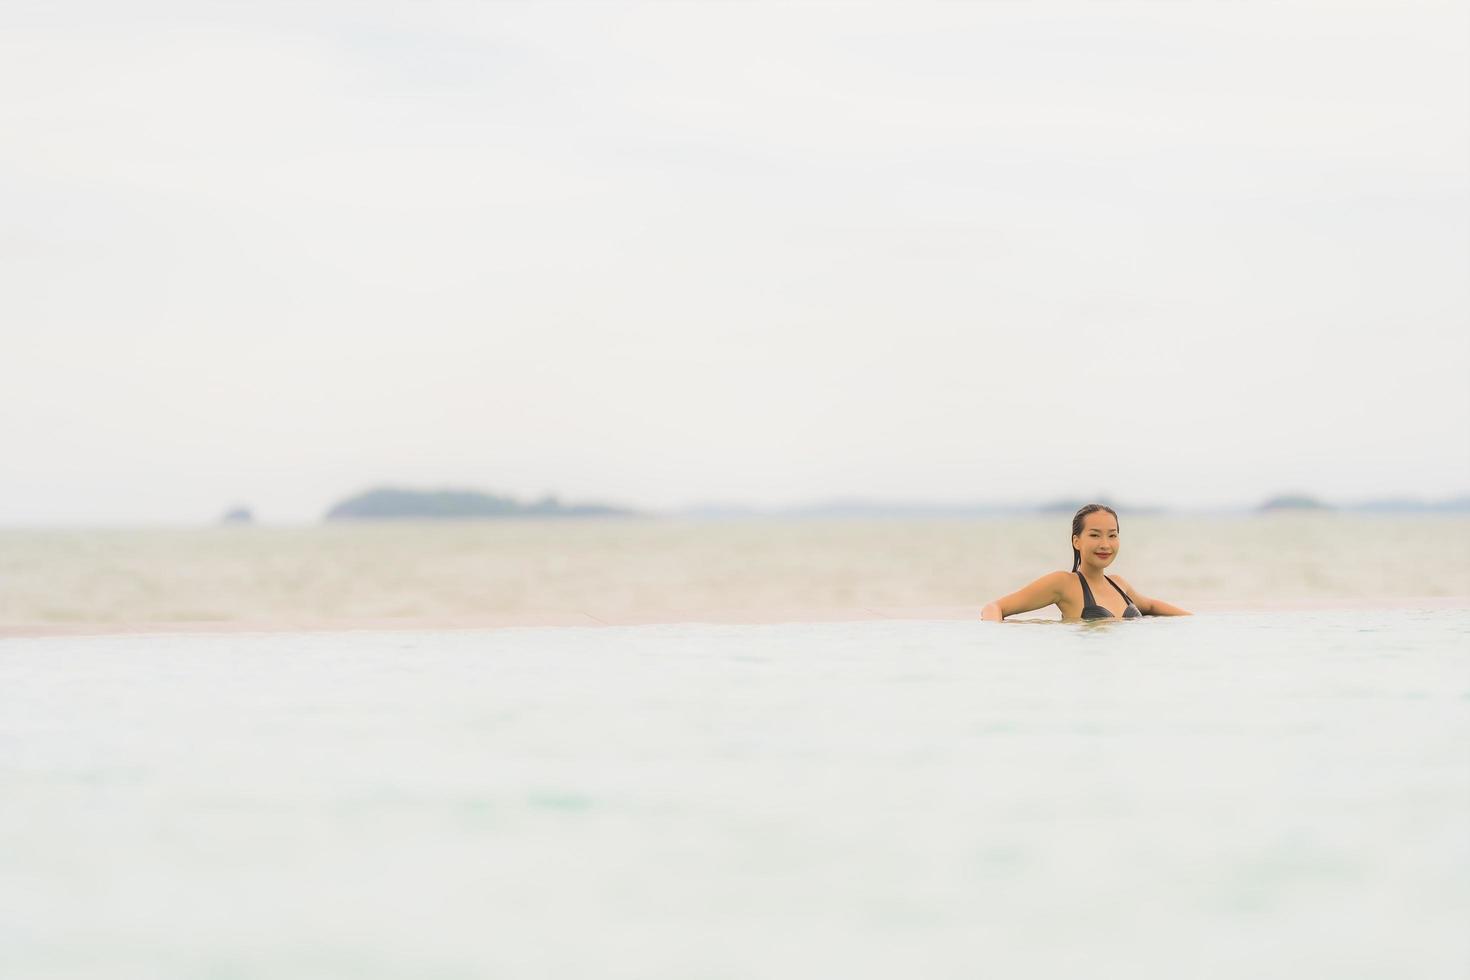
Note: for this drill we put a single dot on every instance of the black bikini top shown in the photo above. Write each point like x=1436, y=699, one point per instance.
x=1091, y=610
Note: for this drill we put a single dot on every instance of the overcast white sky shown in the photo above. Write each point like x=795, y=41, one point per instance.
x=274, y=253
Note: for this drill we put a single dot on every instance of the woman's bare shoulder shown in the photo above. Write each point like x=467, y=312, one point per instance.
x=1061, y=582
x=1127, y=585
x=1058, y=578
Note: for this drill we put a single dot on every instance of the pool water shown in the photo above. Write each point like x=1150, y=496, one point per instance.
x=1255, y=795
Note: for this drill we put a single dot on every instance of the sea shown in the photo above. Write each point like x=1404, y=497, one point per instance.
x=441, y=573
x=291, y=753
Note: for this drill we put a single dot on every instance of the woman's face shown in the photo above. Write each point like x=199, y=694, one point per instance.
x=1098, y=541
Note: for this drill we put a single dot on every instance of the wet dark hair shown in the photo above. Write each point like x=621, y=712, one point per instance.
x=1077, y=520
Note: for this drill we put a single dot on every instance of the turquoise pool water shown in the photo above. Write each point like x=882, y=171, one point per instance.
x=1283, y=795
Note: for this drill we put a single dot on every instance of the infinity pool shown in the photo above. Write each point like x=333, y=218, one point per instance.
x=1282, y=795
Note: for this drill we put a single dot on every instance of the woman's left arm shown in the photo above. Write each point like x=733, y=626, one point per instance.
x=1152, y=607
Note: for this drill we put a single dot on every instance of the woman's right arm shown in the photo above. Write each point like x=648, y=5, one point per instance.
x=1043, y=592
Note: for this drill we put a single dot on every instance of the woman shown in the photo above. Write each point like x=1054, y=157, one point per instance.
x=1085, y=592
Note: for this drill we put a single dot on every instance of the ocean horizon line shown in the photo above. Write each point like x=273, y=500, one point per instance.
x=836, y=509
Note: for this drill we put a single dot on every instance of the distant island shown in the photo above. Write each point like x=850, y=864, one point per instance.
x=1294, y=502
x=396, y=503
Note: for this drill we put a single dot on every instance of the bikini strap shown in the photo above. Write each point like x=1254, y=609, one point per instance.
x=1120, y=590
